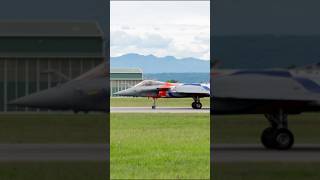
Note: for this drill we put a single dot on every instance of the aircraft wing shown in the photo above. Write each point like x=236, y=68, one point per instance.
x=265, y=87
x=192, y=89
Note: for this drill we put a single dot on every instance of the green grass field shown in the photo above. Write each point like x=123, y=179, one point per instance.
x=53, y=128
x=161, y=102
x=152, y=146
x=160, y=146
x=248, y=128
x=53, y=170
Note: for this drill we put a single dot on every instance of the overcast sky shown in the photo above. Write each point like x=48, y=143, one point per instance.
x=161, y=28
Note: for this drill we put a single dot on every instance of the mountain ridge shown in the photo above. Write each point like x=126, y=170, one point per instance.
x=166, y=64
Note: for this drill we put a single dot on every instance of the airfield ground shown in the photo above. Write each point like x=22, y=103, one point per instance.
x=53, y=170
x=161, y=102
x=53, y=128
x=164, y=145
x=160, y=146
x=267, y=171
x=246, y=129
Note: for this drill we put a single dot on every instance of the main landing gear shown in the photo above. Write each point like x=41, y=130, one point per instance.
x=278, y=136
x=196, y=104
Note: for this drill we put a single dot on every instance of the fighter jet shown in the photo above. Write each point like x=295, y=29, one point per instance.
x=158, y=89
x=88, y=92
x=274, y=93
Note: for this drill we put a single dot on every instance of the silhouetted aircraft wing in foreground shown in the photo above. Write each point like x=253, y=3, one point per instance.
x=274, y=93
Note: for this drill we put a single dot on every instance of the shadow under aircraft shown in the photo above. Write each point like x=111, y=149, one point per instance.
x=276, y=93
x=88, y=92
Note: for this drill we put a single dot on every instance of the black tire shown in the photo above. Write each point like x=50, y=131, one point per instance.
x=267, y=138
x=198, y=105
x=193, y=105
x=284, y=139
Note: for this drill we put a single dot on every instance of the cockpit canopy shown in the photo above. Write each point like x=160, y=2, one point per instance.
x=149, y=83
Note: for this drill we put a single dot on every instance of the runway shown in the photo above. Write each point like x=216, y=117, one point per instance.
x=99, y=152
x=53, y=152
x=158, y=110
x=257, y=153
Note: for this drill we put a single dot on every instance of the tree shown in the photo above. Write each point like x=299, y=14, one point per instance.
x=172, y=81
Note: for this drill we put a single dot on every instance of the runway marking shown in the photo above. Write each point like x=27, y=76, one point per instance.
x=158, y=110
x=257, y=153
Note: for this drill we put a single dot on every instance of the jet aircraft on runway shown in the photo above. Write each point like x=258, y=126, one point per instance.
x=158, y=89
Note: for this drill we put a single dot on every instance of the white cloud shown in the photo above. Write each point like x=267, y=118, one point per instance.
x=178, y=29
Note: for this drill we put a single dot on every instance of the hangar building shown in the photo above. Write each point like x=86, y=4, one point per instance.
x=38, y=55
x=124, y=78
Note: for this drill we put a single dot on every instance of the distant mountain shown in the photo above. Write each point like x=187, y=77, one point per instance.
x=168, y=64
x=180, y=77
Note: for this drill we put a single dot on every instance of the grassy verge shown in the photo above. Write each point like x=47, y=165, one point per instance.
x=160, y=146
x=53, y=171
x=161, y=102
x=91, y=128
x=248, y=128
x=267, y=171
x=53, y=128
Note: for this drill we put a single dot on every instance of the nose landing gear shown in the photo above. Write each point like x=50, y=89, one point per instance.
x=154, y=103
x=196, y=104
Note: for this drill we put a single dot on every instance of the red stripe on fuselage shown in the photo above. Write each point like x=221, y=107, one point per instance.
x=165, y=87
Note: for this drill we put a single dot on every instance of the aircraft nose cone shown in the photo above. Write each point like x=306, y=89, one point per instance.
x=43, y=99
x=127, y=92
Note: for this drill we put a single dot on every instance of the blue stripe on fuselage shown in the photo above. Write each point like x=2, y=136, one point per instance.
x=308, y=84
x=193, y=84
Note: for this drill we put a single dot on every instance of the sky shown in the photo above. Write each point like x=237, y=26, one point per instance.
x=285, y=17
x=160, y=28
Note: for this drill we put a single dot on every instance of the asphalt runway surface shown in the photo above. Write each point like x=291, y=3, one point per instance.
x=99, y=152
x=257, y=153
x=158, y=110
x=53, y=152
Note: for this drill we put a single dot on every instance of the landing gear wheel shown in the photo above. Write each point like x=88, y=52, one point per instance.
x=283, y=139
x=193, y=105
x=267, y=138
x=153, y=107
x=196, y=105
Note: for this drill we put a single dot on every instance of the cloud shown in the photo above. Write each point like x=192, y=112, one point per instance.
x=147, y=40
x=202, y=39
x=142, y=27
x=121, y=38
x=154, y=41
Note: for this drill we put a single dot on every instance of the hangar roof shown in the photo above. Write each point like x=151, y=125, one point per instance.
x=125, y=70
x=126, y=74
x=49, y=29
